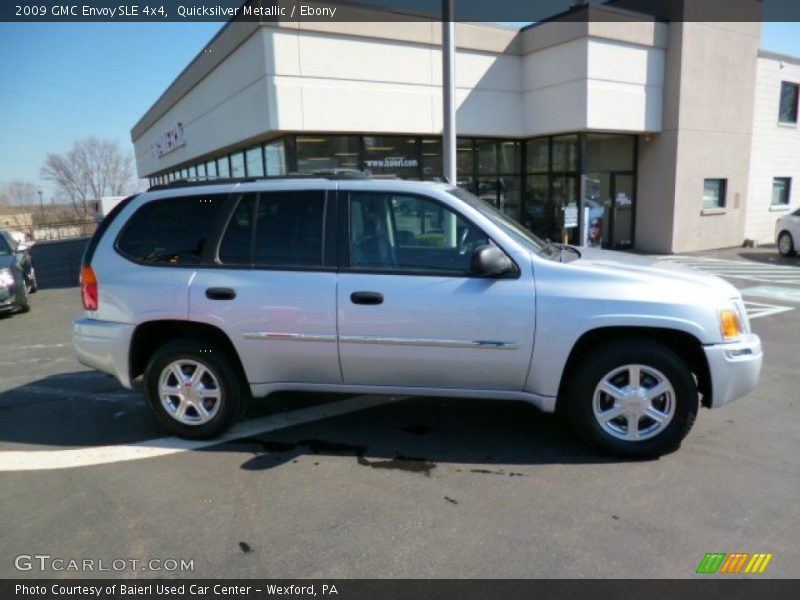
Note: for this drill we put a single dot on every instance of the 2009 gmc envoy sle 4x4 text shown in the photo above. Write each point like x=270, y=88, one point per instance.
x=220, y=292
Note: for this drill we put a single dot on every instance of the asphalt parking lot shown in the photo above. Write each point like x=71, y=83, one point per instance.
x=333, y=486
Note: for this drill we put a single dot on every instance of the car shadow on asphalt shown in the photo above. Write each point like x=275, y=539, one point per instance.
x=416, y=434
x=770, y=258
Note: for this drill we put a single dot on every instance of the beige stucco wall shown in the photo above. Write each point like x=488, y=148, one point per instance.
x=708, y=117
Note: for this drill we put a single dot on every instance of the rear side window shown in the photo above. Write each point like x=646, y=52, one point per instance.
x=286, y=229
x=289, y=229
x=174, y=231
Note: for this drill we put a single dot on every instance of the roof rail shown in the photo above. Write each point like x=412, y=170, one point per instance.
x=333, y=174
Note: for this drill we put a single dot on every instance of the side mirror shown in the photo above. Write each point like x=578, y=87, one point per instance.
x=490, y=261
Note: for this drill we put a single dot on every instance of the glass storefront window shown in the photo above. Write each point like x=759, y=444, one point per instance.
x=223, y=168
x=320, y=152
x=389, y=155
x=537, y=215
x=237, y=164
x=255, y=163
x=609, y=152
x=498, y=156
x=201, y=171
x=565, y=153
x=432, y=162
x=502, y=192
x=192, y=173
x=538, y=155
x=275, y=155
x=464, y=165
x=211, y=168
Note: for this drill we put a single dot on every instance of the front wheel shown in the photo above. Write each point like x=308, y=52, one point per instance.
x=786, y=244
x=633, y=398
x=193, y=389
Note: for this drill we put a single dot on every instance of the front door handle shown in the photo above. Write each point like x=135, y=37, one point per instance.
x=220, y=294
x=367, y=298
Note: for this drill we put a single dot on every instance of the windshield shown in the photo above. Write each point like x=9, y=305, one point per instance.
x=5, y=248
x=508, y=225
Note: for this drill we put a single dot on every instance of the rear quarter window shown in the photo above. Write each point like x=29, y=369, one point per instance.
x=173, y=231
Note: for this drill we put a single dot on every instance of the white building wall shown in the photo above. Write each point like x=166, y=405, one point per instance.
x=775, y=153
x=335, y=83
x=227, y=106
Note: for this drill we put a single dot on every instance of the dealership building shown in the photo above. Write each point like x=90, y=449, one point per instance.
x=625, y=130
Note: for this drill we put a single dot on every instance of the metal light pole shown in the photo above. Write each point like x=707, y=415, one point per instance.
x=448, y=91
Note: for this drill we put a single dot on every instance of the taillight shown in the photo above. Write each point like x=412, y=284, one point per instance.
x=88, y=288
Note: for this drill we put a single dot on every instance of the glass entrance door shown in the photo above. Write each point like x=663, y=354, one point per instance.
x=622, y=211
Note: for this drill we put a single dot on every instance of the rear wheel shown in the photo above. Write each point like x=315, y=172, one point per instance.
x=193, y=389
x=633, y=398
x=786, y=244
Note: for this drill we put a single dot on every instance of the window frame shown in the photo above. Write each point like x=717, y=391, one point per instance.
x=344, y=254
x=722, y=207
x=786, y=85
x=206, y=259
x=329, y=252
x=788, y=198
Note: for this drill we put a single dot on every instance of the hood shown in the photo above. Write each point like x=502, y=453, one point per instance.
x=652, y=270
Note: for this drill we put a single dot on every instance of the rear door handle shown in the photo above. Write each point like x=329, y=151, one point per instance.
x=368, y=298
x=220, y=294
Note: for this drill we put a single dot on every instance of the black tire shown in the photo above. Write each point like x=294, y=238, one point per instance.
x=24, y=304
x=786, y=245
x=614, y=357
x=232, y=398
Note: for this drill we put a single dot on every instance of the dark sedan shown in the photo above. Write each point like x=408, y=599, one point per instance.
x=17, y=277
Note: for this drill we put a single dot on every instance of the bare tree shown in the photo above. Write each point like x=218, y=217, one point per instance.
x=18, y=199
x=91, y=169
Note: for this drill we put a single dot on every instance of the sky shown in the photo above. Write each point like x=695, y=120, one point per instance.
x=63, y=82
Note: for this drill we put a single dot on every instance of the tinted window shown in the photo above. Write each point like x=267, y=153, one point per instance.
x=174, y=231
x=5, y=247
x=289, y=229
x=787, y=112
x=714, y=193
x=235, y=246
x=409, y=233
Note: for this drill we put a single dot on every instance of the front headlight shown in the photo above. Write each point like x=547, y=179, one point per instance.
x=730, y=325
x=6, y=278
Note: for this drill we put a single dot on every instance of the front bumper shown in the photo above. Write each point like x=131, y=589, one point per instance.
x=8, y=298
x=104, y=346
x=734, y=369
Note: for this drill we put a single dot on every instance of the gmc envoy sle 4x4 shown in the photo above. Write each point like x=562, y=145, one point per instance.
x=216, y=293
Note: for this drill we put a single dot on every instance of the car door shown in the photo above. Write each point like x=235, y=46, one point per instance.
x=272, y=287
x=412, y=314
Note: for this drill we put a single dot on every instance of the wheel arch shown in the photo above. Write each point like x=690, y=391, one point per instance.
x=684, y=344
x=149, y=336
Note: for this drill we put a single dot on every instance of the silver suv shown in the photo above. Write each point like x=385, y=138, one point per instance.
x=216, y=293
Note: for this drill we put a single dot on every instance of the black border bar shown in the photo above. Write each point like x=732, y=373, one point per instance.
x=514, y=11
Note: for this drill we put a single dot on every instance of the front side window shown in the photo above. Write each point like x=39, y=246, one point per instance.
x=788, y=106
x=173, y=231
x=714, y=193
x=399, y=232
x=781, y=190
x=5, y=248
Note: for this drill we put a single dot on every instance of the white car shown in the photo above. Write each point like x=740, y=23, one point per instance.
x=787, y=233
x=216, y=293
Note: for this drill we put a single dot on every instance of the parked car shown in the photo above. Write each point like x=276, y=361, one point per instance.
x=787, y=233
x=213, y=294
x=17, y=275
